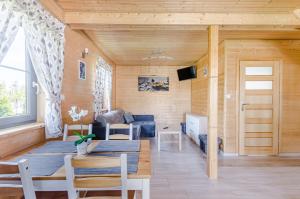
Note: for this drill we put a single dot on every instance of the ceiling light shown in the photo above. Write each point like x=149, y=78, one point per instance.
x=158, y=54
x=297, y=13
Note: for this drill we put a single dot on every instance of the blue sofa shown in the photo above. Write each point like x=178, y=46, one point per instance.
x=143, y=125
x=147, y=124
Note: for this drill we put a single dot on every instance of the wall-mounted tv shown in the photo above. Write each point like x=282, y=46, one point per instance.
x=187, y=73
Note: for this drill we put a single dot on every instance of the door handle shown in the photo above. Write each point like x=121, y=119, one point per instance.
x=243, y=106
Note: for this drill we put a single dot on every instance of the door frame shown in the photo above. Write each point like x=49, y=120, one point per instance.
x=276, y=119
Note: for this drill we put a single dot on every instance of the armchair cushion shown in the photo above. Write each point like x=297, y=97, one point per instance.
x=128, y=117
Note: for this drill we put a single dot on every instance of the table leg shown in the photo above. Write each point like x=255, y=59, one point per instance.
x=179, y=141
x=158, y=141
x=146, y=189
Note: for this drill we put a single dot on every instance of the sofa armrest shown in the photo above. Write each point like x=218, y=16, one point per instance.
x=143, y=117
x=98, y=124
x=99, y=131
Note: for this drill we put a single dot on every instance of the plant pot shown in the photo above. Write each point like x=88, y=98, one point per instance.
x=82, y=148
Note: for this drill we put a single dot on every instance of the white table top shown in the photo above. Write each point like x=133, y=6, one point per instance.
x=169, y=132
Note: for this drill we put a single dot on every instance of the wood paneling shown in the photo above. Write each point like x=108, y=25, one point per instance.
x=169, y=108
x=288, y=52
x=129, y=45
x=80, y=92
x=191, y=6
x=14, y=141
x=200, y=88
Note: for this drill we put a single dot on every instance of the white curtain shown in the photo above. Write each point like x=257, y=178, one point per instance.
x=9, y=25
x=45, y=43
x=103, y=87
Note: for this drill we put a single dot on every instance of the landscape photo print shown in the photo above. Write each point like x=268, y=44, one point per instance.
x=153, y=83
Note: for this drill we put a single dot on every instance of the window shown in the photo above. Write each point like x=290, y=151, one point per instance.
x=17, y=96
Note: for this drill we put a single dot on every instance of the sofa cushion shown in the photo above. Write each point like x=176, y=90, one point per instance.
x=143, y=123
x=128, y=117
x=112, y=117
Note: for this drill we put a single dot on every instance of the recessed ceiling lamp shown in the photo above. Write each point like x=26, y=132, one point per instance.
x=158, y=54
x=297, y=13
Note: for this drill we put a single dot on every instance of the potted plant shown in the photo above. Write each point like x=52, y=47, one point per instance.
x=77, y=116
x=82, y=143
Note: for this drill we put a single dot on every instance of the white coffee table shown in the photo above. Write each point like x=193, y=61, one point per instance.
x=166, y=132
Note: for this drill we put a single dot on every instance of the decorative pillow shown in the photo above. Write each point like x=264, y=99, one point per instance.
x=128, y=117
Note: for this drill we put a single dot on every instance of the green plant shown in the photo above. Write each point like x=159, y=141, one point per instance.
x=83, y=138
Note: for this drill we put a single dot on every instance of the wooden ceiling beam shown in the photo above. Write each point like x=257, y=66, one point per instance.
x=53, y=8
x=180, y=19
x=97, y=27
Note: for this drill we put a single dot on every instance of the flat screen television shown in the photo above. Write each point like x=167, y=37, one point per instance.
x=187, y=73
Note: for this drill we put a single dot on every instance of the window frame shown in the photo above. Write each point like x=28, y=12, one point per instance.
x=31, y=98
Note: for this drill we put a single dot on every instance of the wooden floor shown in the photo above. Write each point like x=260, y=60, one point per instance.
x=181, y=175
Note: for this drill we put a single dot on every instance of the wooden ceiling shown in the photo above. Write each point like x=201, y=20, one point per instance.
x=129, y=47
x=128, y=31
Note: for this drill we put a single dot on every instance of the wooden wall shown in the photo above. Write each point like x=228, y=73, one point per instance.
x=169, y=108
x=12, y=139
x=286, y=51
x=231, y=52
x=199, y=91
x=80, y=92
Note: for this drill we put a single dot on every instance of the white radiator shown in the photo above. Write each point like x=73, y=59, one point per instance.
x=195, y=125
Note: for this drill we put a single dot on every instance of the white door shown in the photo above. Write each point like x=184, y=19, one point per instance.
x=259, y=107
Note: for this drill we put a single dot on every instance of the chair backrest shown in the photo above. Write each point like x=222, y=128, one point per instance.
x=88, y=182
x=16, y=170
x=109, y=127
x=78, y=127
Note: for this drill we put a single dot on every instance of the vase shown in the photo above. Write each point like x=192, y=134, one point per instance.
x=82, y=148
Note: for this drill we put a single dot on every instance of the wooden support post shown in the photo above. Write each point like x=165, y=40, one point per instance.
x=212, y=152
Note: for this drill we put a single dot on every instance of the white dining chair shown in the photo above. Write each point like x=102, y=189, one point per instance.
x=19, y=170
x=77, y=183
x=74, y=127
x=128, y=136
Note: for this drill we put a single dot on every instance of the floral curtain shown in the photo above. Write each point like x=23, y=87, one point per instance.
x=103, y=87
x=9, y=25
x=45, y=43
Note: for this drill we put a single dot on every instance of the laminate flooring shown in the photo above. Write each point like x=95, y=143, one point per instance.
x=182, y=175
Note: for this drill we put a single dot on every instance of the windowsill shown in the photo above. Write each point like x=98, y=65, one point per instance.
x=19, y=129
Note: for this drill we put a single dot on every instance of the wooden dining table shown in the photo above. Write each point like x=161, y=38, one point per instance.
x=138, y=181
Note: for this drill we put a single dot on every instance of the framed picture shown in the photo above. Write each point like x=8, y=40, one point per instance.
x=82, y=70
x=153, y=83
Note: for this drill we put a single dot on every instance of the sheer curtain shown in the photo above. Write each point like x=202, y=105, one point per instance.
x=103, y=87
x=9, y=25
x=45, y=43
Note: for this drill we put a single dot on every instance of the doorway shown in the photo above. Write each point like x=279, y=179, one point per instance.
x=259, y=107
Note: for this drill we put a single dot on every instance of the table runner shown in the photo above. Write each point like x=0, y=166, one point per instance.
x=43, y=165
x=46, y=165
x=103, y=146
x=56, y=147
x=117, y=146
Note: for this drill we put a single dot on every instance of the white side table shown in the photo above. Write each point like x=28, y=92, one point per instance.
x=160, y=133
